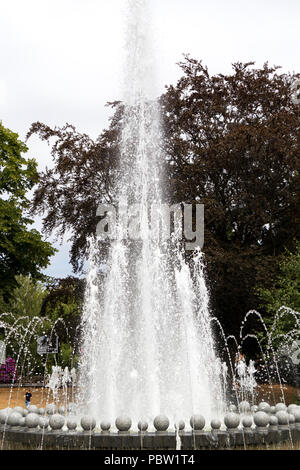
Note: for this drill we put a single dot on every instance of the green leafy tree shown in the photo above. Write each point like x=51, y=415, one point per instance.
x=55, y=310
x=64, y=301
x=63, y=306
x=284, y=292
x=22, y=326
x=26, y=298
x=22, y=251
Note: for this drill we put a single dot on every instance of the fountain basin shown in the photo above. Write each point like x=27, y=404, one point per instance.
x=237, y=439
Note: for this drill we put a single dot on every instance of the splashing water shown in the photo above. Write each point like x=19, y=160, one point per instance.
x=246, y=380
x=147, y=344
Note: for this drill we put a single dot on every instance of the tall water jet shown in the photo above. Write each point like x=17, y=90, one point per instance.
x=147, y=345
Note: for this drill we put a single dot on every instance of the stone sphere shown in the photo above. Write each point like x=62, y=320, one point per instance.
x=4, y=415
x=161, y=423
x=32, y=420
x=51, y=409
x=123, y=423
x=105, y=426
x=33, y=409
x=263, y=406
x=25, y=413
x=231, y=420
x=41, y=411
x=56, y=422
x=19, y=409
x=292, y=407
x=261, y=419
x=43, y=422
x=283, y=417
x=71, y=424
x=143, y=426
x=88, y=423
x=273, y=420
x=61, y=410
x=215, y=424
x=180, y=425
x=247, y=422
x=291, y=418
x=272, y=410
x=244, y=407
x=232, y=408
x=22, y=422
x=296, y=414
x=14, y=418
x=280, y=407
x=197, y=422
x=254, y=408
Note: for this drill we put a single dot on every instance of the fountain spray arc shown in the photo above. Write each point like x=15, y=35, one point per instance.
x=147, y=344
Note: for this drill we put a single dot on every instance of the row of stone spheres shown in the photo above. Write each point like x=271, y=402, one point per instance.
x=57, y=419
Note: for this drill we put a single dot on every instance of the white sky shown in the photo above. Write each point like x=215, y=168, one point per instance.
x=61, y=60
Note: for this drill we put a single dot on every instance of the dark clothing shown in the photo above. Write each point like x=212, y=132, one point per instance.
x=28, y=396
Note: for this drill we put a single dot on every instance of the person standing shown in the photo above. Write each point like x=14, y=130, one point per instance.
x=27, y=396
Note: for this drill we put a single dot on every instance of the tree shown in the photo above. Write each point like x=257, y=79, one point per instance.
x=68, y=194
x=22, y=251
x=285, y=290
x=57, y=306
x=26, y=299
x=20, y=327
x=232, y=143
x=281, y=301
x=63, y=305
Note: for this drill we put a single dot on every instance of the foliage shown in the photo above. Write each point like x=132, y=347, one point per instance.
x=63, y=306
x=60, y=300
x=67, y=358
x=22, y=251
x=26, y=299
x=231, y=143
x=285, y=291
x=68, y=194
x=24, y=304
x=64, y=301
x=17, y=175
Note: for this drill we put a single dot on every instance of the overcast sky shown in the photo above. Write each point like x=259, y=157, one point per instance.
x=61, y=60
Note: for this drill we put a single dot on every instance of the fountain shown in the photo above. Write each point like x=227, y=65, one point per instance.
x=149, y=376
x=243, y=424
x=147, y=334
